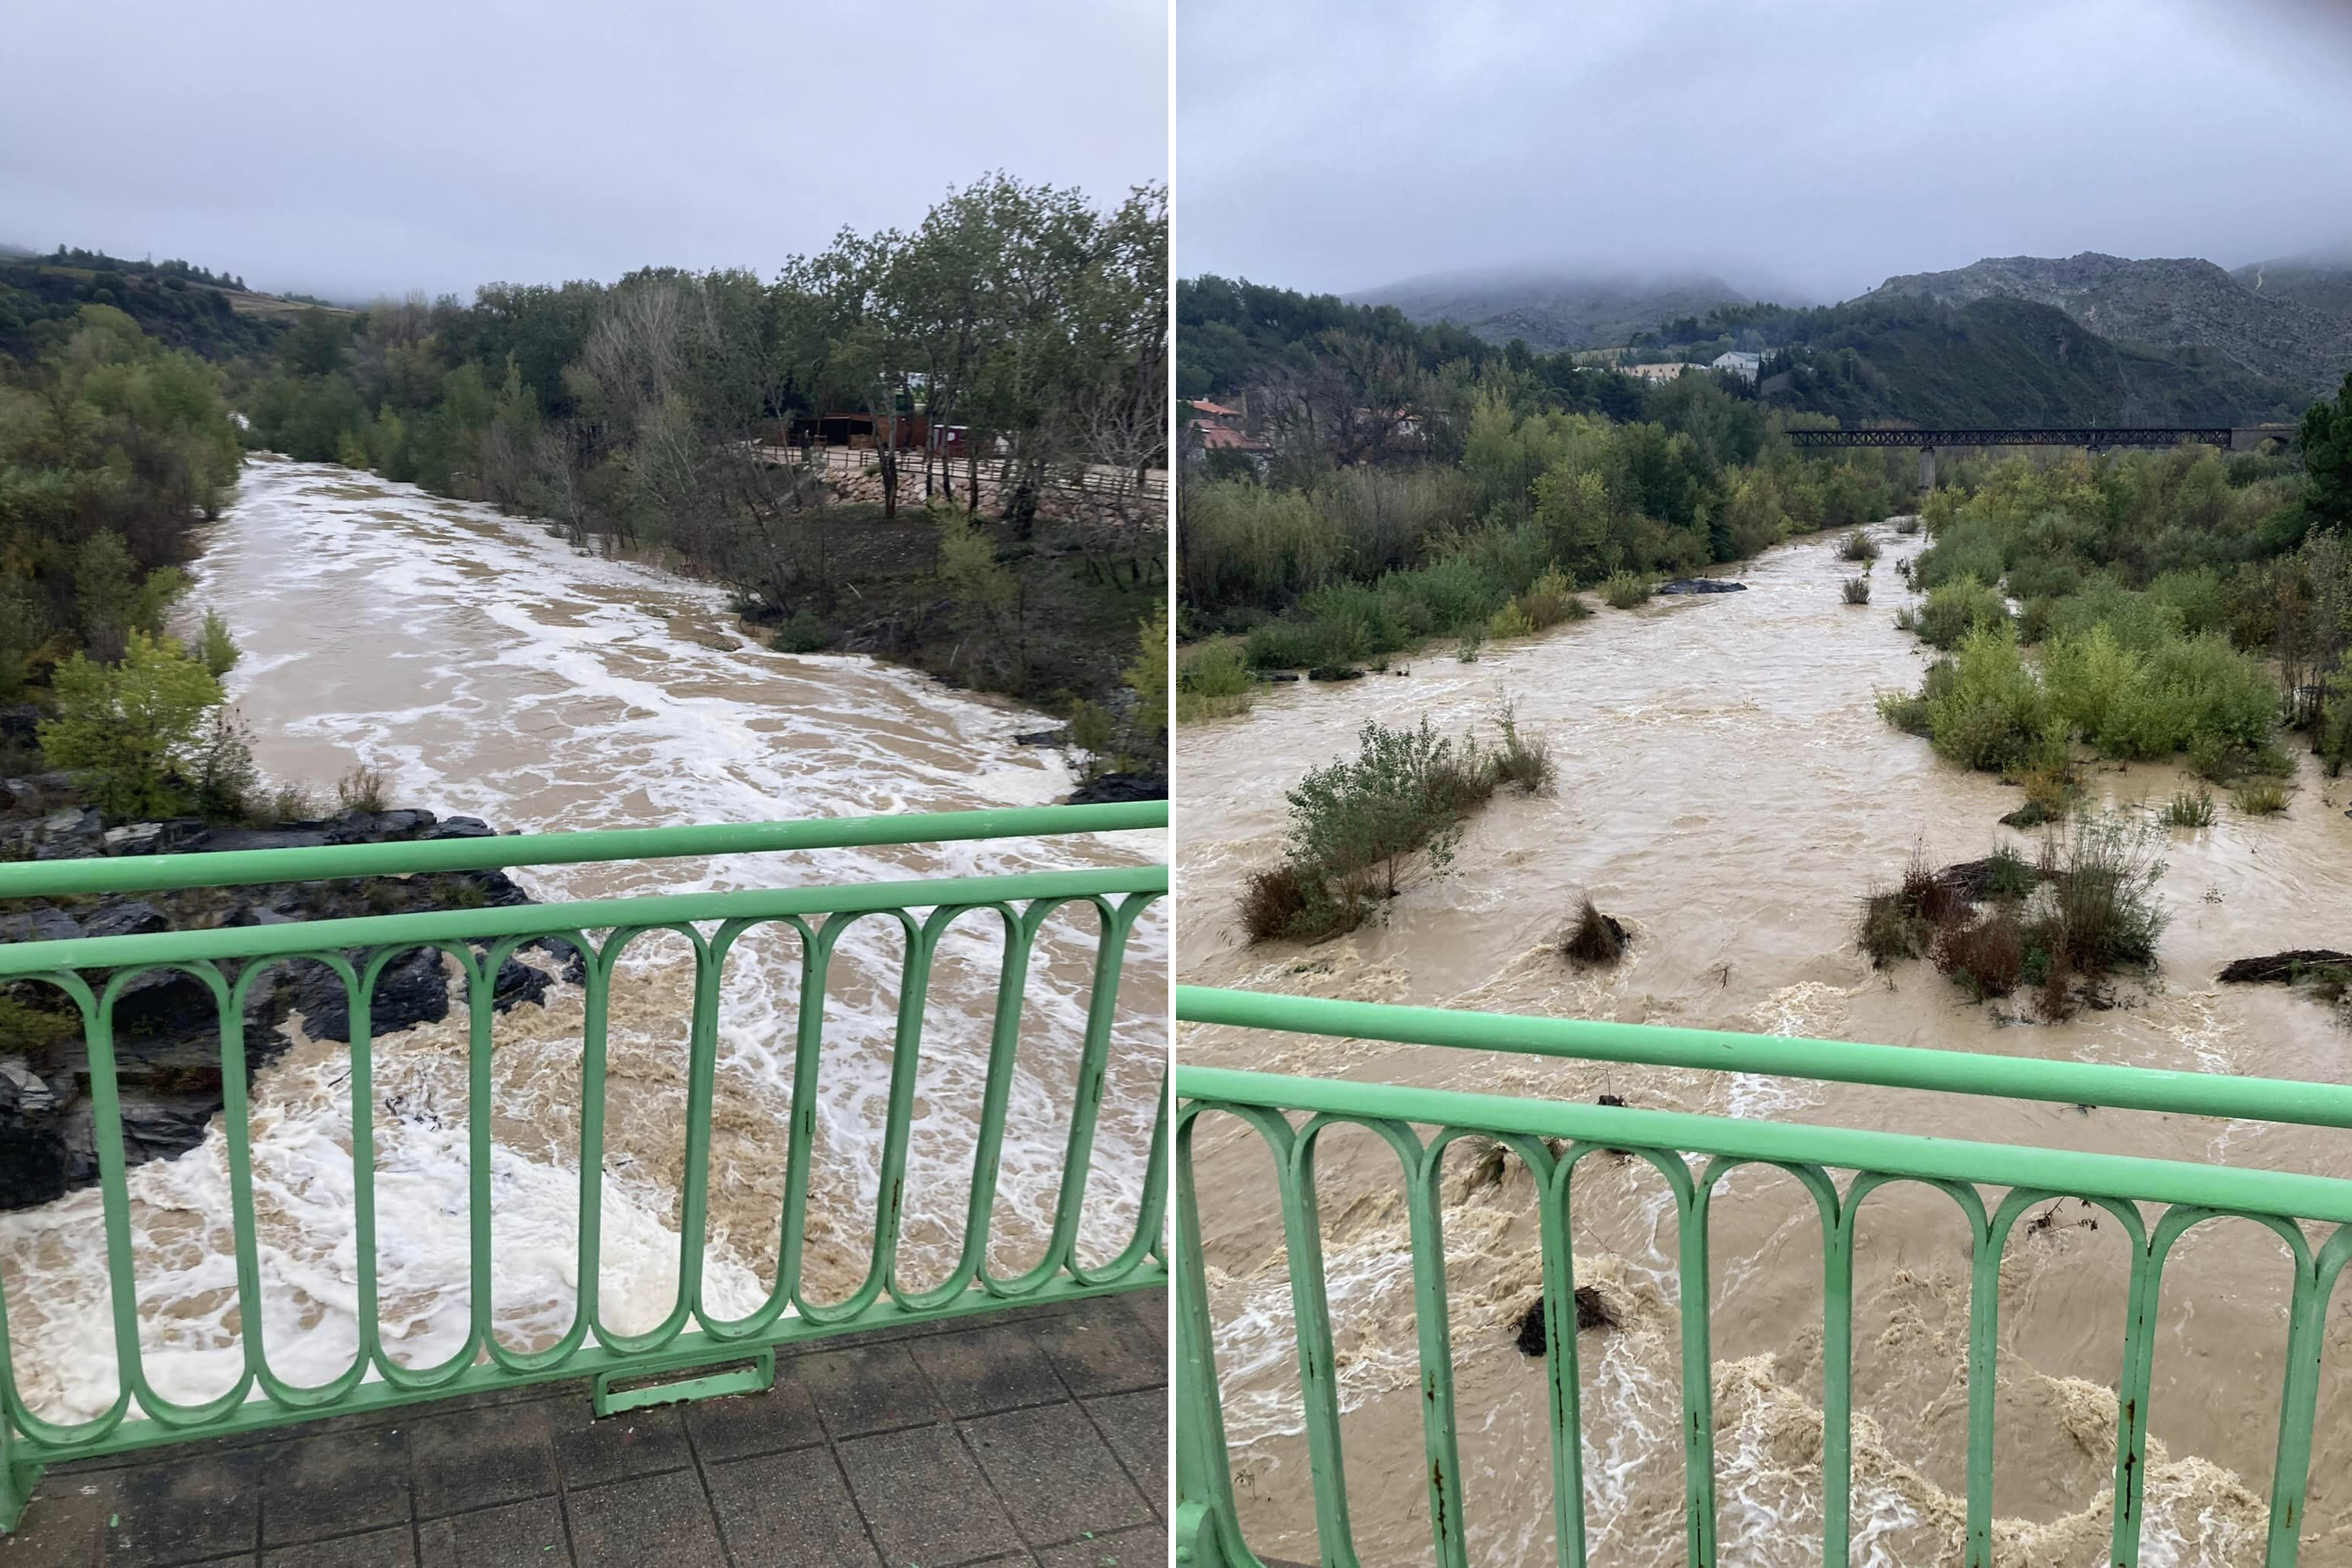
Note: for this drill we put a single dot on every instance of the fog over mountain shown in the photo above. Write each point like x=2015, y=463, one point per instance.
x=1811, y=153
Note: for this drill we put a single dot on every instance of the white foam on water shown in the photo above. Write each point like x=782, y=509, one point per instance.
x=491, y=671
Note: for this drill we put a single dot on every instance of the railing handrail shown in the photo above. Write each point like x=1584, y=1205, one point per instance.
x=2110, y=1087
x=2240, y=1189
x=239, y=867
x=425, y=927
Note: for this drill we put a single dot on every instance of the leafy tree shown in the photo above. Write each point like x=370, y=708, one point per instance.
x=2327, y=435
x=131, y=725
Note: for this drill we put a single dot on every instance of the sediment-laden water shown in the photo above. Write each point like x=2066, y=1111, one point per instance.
x=1727, y=788
x=491, y=669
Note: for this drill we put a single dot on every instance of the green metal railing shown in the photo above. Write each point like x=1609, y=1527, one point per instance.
x=1291, y=1113
x=94, y=971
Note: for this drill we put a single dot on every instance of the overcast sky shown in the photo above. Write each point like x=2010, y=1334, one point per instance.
x=1793, y=146
x=346, y=148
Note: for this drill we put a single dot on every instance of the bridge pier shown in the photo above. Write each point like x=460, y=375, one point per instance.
x=1926, y=469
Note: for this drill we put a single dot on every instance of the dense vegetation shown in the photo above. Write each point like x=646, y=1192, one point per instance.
x=112, y=447
x=2163, y=590
x=178, y=305
x=648, y=414
x=1496, y=485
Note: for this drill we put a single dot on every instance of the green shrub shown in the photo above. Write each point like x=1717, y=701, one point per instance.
x=215, y=647
x=1510, y=621
x=1213, y=681
x=805, y=633
x=1955, y=608
x=130, y=726
x=1524, y=761
x=1856, y=591
x=1474, y=639
x=1550, y=600
x=1624, y=590
x=1399, y=799
x=1857, y=546
x=1990, y=712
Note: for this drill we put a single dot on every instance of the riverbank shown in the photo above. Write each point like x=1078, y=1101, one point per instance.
x=167, y=1048
x=484, y=669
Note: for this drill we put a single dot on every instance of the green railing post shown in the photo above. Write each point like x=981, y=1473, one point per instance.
x=2190, y=1194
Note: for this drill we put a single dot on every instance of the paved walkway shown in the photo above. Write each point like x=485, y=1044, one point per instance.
x=1036, y=1438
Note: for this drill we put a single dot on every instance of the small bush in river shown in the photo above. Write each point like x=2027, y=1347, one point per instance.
x=2261, y=797
x=1857, y=546
x=2189, y=808
x=1474, y=639
x=1857, y=590
x=1524, y=760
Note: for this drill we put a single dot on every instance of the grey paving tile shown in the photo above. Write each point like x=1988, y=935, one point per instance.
x=64, y=1523
x=1144, y=1546
x=1100, y=1348
x=332, y=1485
x=1137, y=1426
x=181, y=1510
x=513, y=1535
x=924, y=1500
x=661, y=1519
x=790, y=1511
x=1149, y=1308
x=393, y=1548
x=986, y=1370
x=867, y=1388
x=1056, y=1476
x=746, y=1424
x=472, y=1458
x=589, y=1452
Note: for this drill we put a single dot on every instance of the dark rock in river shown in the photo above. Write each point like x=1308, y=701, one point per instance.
x=1334, y=672
x=1113, y=789
x=167, y=1036
x=1592, y=1313
x=1043, y=738
x=1702, y=586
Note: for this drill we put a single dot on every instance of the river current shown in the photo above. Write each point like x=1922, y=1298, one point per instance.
x=489, y=668
x=1727, y=788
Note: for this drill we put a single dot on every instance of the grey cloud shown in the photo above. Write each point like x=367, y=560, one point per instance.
x=1803, y=150
x=347, y=150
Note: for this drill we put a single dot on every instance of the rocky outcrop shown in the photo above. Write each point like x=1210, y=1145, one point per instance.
x=1117, y=789
x=2171, y=303
x=166, y=1023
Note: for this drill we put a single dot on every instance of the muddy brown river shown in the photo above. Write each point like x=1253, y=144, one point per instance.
x=1727, y=788
x=488, y=668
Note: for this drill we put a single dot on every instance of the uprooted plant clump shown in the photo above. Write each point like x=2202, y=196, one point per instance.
x=1594, y=939
x=2321, y=974
x=2085, y=909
